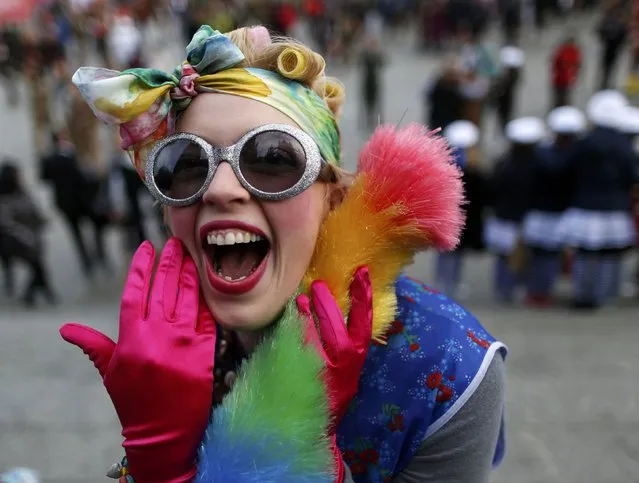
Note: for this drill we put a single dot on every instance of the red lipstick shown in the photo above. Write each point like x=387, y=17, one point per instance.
x=218, y=282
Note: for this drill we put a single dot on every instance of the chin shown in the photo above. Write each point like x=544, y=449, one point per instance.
x=240, y=315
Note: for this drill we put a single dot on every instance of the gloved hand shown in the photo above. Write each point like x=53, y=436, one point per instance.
x=344, y=349
x=160, y=373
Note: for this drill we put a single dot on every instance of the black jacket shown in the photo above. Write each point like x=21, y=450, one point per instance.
x=601, y=172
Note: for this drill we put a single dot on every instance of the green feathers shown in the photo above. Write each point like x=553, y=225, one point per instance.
x=280, y=395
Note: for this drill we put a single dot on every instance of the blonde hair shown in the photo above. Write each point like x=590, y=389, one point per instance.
x=292, y=60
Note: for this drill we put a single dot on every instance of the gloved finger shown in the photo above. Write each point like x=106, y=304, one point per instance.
x=188, y=295
x=93, y=343
x=360, y=317
x=311, y=335
x=135, y=296
x=205, y=320
x=164, y=291
x=332, y=327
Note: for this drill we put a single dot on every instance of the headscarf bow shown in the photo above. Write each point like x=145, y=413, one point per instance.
x=145, y=102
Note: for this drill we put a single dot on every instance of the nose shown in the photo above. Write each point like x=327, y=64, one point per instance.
x=225, y=189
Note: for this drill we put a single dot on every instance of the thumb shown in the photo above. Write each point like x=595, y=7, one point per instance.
x=95, y=344
x=360, y=317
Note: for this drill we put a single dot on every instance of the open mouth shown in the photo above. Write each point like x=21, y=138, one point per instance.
x=236, y=258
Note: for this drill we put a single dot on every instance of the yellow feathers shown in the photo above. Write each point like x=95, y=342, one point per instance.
x=353, y=235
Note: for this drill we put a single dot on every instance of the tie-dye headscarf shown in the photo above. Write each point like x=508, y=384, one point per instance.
x=145, y=102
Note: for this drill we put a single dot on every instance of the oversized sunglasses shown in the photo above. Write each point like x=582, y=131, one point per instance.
x=272, y=162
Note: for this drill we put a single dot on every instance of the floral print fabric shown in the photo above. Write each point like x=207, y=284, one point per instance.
x=436, y=355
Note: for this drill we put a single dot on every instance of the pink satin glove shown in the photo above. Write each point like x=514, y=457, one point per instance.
x=343, y=348
x=160, y=373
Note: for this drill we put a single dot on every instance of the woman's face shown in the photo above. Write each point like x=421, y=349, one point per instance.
x=273, y=268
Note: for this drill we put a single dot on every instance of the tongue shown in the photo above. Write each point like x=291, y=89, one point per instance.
x=238, y=261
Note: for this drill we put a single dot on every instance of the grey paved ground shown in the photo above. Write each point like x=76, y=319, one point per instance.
x=573, y=395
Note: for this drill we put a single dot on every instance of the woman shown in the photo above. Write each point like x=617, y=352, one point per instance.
x=275, y=219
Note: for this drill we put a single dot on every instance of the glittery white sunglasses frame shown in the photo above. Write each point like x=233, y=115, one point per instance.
x=231, y=155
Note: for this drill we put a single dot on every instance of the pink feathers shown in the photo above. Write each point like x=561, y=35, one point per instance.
x=413, y=167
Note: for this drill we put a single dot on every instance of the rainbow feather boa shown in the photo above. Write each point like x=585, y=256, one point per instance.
x=272, y=426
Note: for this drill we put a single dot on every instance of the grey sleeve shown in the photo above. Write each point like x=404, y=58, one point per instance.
x=462, y=450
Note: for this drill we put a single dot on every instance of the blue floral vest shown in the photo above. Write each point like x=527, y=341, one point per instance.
x=436, y=356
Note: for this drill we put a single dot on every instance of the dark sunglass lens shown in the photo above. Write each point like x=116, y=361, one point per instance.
x=272, y=161
x=180, y=169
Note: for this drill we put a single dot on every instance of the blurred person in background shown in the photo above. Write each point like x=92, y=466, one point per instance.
x=565, y=67
x=505, y=92
x=511, y=193
x=10, y=55
x=630, y=128
x=7, y=263
x=612, y=31
x=481, y=68
x=374, y=23
x=22, y=226
x=100, y=23
x=463, y=136
x=510, y=12
x=433, y=24
x=61, y=169
x=284, y=17
x=39, y=89
x=131, y=215
x=443, y=100
x=464, y=19
x=320, y=23
x=598, y=224
x=541, y=230
x=372, y=61
x=124, y=41
x=84, y=134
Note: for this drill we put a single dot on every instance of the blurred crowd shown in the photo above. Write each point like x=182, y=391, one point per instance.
x=562, y=198
x=95, y=187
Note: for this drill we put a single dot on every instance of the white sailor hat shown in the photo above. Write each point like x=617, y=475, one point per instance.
x=629, y=120
x=566, y=120
x=462, y=134
x=605, y=108
x=511, y=57
x=525, y=130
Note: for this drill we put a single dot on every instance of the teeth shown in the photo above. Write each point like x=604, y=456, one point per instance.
x=231, y=237
x=229, y=279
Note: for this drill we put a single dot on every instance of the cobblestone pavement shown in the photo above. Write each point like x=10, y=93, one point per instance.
x=573, y=396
